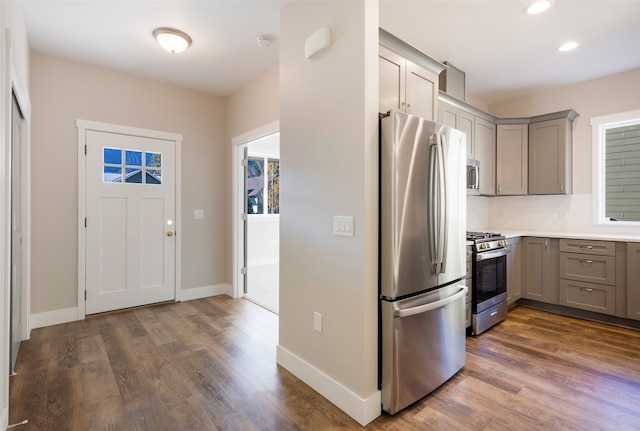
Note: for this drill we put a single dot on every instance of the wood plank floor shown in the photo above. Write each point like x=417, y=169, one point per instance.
x=210, y=365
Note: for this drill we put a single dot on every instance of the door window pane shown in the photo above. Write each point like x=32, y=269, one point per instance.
x=112, y=174
x=112, y=156
x=134, y=158
x=255, y=186
x=133, y=175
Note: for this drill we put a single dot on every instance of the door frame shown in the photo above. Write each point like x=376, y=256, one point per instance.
x=238, y=204
x=83, y=126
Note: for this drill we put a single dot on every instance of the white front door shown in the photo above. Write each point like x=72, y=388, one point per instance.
x=130, y=220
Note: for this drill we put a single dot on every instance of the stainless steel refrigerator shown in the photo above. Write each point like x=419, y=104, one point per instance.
x=422, y=257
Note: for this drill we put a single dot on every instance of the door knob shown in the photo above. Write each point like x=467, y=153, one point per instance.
x=170, y=233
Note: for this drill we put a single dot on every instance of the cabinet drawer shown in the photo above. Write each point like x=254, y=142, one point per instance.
x=588, y=296
x=603, y=248
x=587, y=268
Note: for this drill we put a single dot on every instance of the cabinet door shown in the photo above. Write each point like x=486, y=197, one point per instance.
x=391, y=84
x=466, y=125
x=421, y=92
x=514, y=270
x=549, y=157
x=485, y=153
x=448, y=115
x=633, y=280
x=540, y=269
x=512, y=157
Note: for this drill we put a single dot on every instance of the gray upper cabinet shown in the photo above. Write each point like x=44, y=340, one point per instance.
x=485, y=153
x=405, y=86
x=550, y=151
x=512, y=159
x=460, y=119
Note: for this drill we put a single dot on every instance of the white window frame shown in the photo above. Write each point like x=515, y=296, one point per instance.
x=599, y=126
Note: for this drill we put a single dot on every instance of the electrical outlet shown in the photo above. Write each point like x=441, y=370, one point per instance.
x=317, y=321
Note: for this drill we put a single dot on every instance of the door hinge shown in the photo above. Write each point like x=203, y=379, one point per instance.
x=243, y=270
x=244, y=216
x=85, y=222
x=85, y=295
x=85, y=149
x=244, y=162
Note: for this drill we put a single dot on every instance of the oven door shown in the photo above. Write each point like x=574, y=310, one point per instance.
x=489, y=279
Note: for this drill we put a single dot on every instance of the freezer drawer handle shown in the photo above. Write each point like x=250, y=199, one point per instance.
x=433, y=305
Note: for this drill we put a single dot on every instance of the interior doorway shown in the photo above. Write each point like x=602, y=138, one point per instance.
x=258, y=193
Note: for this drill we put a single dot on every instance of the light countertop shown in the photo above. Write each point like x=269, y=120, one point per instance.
x=568, y=235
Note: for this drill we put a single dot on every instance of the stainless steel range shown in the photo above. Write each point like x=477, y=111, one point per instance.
x=489, y=284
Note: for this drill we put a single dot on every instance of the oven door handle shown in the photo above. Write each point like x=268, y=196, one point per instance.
x=432, y=305
x=493, y=253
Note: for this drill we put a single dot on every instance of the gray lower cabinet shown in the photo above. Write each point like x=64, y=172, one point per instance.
x=633, y=280
x=588, y=275
x=540, y=269
x=514, y=270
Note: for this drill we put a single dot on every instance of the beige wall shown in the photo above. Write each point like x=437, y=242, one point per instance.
x=608, y=95
x=63, y=91
x=254, y=106
x=328, y=144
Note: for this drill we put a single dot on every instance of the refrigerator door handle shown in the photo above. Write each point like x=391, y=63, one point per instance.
x=432, y=205
x=432, y=305
x=442, y=206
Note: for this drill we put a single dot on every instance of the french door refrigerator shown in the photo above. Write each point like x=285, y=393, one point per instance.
x=422, y=257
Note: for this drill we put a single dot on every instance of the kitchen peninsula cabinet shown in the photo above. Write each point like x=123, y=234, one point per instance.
x=512, y=159
x=514, y=270
x=405, y=86
x=550, y=150
x=633, y=280
x=540, y=269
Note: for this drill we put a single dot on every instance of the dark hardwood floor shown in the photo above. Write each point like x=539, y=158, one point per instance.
x=210, y=364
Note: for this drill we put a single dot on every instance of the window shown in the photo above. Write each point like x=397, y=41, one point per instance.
x=132, y=166
x=616, y=168
x=259, y=202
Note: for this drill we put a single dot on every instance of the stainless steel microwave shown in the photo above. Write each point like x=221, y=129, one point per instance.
x=473, y=177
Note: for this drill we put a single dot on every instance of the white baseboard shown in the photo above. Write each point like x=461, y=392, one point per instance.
x=204, y=292
x=363, y=410
x=55, y=317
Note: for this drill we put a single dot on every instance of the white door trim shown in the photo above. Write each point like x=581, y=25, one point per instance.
x=83, y=126
x=237, y=182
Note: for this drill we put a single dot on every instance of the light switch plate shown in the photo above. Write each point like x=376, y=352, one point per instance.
x=198, y=214
x=343, y=225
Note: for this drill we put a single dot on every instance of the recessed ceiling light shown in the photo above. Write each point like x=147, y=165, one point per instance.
x=568, y=46
x=538, y=7
x=172, y=40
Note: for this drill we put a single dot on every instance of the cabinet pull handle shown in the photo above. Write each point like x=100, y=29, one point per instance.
x=586, y=289
x=408, y=108
x=587, y=247
x=586, y=261
x=546, y=243
x=562, y=187
x=499, y=189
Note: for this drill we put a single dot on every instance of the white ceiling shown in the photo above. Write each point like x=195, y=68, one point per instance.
x=504, y=52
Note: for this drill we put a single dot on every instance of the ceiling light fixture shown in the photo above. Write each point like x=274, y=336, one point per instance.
x=538, y=7
x=172, y=40
x=568, y=46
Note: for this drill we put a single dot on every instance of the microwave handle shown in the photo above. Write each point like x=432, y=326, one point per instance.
x=476, y=173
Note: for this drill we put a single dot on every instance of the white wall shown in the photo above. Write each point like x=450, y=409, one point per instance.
x=63, y=91
x=328, y=145
x=11, y=19
x=608, y=95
